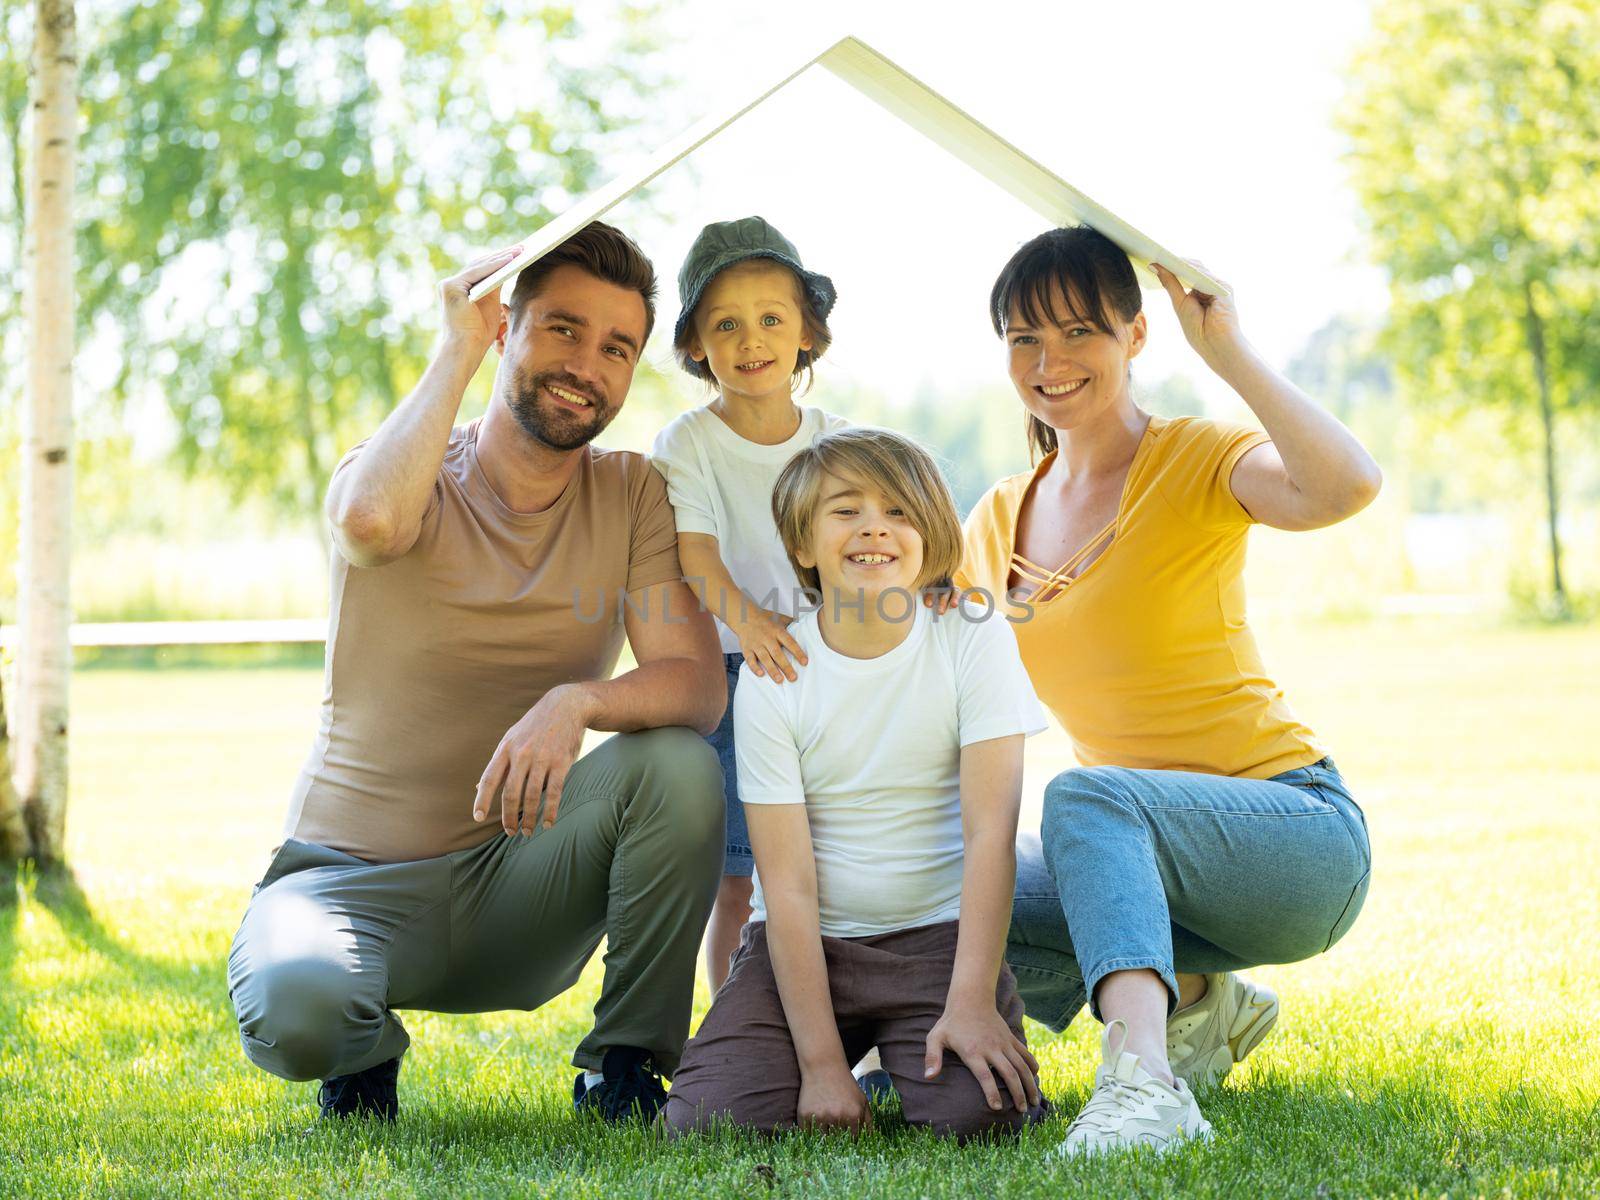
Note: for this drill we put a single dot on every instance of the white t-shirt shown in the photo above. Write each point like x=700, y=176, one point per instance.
x=872, y=748
x=721, y=484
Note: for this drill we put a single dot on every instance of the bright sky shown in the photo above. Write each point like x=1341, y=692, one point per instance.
x=1206, y=126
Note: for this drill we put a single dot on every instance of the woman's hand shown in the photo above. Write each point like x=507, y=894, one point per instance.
x=986, y=1044
x=831, y=1099
x=1211, y=323
x=766, y=643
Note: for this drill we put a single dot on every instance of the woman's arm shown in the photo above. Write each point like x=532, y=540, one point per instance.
x=763, y=636
x=1314, y=472
x=780, y=835
x=991, y=795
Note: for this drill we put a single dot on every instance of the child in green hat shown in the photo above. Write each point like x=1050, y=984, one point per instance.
x=753, y=322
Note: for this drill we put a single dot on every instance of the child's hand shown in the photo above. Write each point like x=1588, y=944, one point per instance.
x=832, y=1099
x=941, y=600
x=766, y=643
x=989, y=1048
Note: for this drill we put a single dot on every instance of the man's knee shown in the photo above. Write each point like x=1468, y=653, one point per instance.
x=296, y=1016
x=680, y=783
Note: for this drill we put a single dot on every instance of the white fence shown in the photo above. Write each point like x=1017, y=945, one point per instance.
x=188, y=633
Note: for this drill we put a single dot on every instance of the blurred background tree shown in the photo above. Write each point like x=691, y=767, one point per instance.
x=1476, y=135
x=272, y=188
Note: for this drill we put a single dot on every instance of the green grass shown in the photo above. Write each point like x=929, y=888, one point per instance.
x=1448, y=1046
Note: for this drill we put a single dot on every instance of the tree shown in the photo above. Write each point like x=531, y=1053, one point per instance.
x=268, y=217
x=45, y=660
x=1475, y=131
x=16, y=42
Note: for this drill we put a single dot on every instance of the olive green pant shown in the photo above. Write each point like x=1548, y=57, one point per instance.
x=331, y=945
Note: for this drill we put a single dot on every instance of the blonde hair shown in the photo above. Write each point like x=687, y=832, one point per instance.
x=879, y=458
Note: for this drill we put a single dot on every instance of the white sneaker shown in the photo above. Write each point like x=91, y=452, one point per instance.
x=1130, y=1107
x=1218, y=1030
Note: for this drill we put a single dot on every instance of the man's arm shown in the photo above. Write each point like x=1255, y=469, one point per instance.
x=991, y=796
x=375, y=505
x=680, y=680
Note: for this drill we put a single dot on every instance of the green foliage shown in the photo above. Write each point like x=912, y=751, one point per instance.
x=270, y=188
x=1476, y=128
x=1475, y=131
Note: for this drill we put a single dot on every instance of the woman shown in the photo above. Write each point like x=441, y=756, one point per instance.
x=1207, y=829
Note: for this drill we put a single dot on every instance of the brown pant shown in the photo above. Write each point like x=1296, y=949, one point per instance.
x=888, y=991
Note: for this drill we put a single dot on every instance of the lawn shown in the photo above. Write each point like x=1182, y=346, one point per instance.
x=1450, y=1045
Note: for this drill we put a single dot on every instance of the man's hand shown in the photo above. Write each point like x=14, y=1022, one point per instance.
x=831, y=1099
x=766, y=643
x=989, y=1048
x=534, y=757
x=474, y=326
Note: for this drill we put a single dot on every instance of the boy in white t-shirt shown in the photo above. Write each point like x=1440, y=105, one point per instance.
x=882, y=789
x=753, y=321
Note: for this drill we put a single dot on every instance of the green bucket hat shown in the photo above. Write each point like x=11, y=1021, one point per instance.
x=723, y=243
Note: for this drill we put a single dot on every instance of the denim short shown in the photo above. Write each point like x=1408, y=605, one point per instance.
x=739, y=860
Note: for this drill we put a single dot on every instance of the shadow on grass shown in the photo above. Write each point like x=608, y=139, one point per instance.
x=57, y=890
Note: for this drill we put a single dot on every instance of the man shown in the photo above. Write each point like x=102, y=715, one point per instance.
x=446, y=848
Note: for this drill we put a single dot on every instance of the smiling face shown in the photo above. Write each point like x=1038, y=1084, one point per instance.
x=862, y=541
x=1070, y=371
x=568, y=357
x=750, y=328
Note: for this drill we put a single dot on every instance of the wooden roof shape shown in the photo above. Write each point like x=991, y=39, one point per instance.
x=920, y=107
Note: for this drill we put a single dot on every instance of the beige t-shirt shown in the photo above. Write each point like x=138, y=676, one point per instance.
x=432, y=657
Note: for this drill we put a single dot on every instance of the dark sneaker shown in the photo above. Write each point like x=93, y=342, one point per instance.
x=369, y=1093
x=877, y=1086
x=630, y=1088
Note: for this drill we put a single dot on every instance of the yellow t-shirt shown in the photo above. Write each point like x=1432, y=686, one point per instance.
x=1146, y=658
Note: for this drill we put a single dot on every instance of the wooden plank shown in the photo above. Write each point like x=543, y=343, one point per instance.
x=914, y=102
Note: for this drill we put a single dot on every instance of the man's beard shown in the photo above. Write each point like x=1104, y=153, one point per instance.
x=549, y=425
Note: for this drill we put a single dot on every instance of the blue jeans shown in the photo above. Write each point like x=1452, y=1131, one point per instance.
x=1181, y=872
x=739, y=858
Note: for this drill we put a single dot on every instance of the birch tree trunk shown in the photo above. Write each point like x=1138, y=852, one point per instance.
x=44, y=657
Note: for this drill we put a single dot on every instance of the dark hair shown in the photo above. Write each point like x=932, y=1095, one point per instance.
x=816, y=325
x=606, y=253
x=1090, y=270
